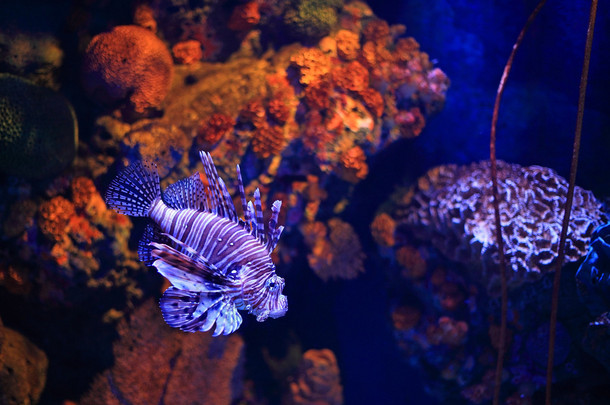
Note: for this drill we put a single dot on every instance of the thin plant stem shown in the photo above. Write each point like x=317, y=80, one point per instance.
x=496, y=203
x=569, y=199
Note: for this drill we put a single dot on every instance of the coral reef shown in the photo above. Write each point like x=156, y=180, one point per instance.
x=311, y=19
x=187, y=52
x=318, y=380
x=336, y=252
x=38, y=129
x=452, y=208
x=153, y=361
x=23, y=369
x=593, y=275
x=129, y=63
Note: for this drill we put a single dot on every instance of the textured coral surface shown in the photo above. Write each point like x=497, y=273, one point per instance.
x=452, y=208
x=157, y=364
x=318, y=381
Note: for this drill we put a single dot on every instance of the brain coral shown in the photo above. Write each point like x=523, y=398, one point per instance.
x=38, y=130
x=129, y=62
x=452, y=208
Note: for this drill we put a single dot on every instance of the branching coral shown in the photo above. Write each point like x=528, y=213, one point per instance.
x=452, y=208
x=212, y=130
x=128, y=63
x=318, y=381
x=153, y=361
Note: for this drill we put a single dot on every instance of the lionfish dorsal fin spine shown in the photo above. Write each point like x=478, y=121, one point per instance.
x=244, y=202
x=251, y=219
x=260, y=226
x=221, y=201
x=186, y=193
x=275, y=212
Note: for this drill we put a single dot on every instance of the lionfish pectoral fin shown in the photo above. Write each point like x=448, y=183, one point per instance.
x=198, y=311
x=134, y=190
x=152, y=233
x=184, y=272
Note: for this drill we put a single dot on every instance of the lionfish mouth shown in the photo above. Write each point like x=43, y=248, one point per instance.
x=282, y=307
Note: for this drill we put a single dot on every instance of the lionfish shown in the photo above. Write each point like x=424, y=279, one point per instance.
x=216, y=262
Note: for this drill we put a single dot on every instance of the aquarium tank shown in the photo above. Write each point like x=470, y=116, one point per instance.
x=306, y=202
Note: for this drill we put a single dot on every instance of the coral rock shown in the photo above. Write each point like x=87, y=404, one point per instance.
x=128, y=63
x=144, y=16
x=348, y=44
x=23, y=369
x=153, y=361
x=54, y=216
x=38, y=129
x=382, y=229
x=452, y=207
x=318, y=381
x=268, y=140
x=187, y=52
x=353, y=76
x=312, y=64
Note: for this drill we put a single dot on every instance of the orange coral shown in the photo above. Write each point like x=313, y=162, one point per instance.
x=352, y=76
x=83, y=191
x=373, y=101
x=253, y=112
x=377, y=31
x=317, y=95
x=129, y=62
x=406, y=49
x=278, y=110
x=382, y=229
x=405, y=318
x=315, y=135
x=244, y=16
x=212, y=130
x=348, y=44
x=312, y=64
x=318, y=381
x=353, y=165
x=187, y=52
x=337, y=253
x=152, y=361
x=54, y=216
x=411, y=122
x=268, y=140
x=412, y=261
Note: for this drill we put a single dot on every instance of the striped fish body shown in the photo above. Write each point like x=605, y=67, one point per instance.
x=216, y=262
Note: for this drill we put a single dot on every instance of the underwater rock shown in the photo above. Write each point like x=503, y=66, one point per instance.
x=452, y=209
x=23, y=369
x=318, y=380
x=129, y=63
x=34, y=56
x=38, y=129
x=153, y=362
x=311, y=19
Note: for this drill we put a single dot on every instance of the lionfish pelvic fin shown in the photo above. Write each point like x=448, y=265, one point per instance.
x=198, y=311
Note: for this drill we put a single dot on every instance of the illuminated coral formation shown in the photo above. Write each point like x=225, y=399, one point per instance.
x=348, y=44
x=318, y=380
x=152, y=361
x=144, y=16
x=268, y=140
x=382, y=229
x=212, y=130
x=452, y=208
x=38, y=129
x=336, y=252
x=312, y=19
x=128, y=63
x=23, y=368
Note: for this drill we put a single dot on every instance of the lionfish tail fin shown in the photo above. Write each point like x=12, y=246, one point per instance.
x=133, y=191
x=198, y=311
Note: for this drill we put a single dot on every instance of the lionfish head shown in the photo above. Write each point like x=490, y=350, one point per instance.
x=270, y=301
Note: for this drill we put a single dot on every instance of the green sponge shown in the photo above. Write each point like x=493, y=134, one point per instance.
x=38, y=129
